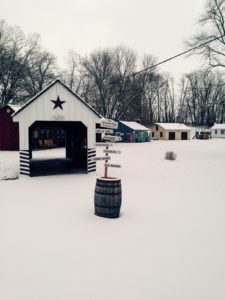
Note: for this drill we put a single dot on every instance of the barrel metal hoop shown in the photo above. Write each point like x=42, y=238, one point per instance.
x=108, y=185
x=106, y=206
x=108, y=194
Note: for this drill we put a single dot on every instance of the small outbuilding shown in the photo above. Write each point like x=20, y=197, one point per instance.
x=9, y=130
x=171, y=131
x=58, y=107
x=218, y=131
x=202, y=133
x=133, y=132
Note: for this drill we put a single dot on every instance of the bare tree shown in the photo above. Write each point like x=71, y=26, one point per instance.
x=40, y=69
x=168, y=101
x=202, y=98
x=25, y=67
x=147, y=81
x=183, y=104
x=107, y=85
x=73, y=75
x=212, y=25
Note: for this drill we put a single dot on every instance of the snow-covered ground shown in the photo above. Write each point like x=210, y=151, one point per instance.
x=168, y=244
x=9, y=165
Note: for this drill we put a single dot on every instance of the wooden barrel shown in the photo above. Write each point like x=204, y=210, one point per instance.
x=108, y=196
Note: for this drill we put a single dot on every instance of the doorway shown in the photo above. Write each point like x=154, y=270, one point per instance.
x=184, y=135
x=57, y=147
x=172, y=135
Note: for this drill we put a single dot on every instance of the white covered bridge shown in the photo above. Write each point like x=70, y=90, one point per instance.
x=57, y=106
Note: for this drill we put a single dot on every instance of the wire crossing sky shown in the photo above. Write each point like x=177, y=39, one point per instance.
x=157, y=28
x=176, y=56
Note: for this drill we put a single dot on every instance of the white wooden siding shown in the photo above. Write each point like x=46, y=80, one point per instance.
x=218, y=133
x=41, y=109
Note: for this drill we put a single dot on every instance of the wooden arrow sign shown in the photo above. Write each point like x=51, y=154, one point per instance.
x=112, y=151
x=101, y=130
x=108, y=123
x=112, y=138
x=101, y=158
x=113, y=165
x=104, y=144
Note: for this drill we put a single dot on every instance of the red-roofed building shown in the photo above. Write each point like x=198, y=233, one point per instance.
x=9, y=130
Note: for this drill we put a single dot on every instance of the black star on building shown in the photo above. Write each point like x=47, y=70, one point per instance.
x=58, y=103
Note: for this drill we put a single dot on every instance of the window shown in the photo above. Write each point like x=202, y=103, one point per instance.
x=45, y=134
x=215, y=131
x=161, y=134
x=153, y=134
x=222, y=131
x=35, y=134
x=157, y=127
x=60, y=132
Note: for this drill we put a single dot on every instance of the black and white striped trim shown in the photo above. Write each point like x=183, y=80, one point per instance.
x=25, y=162
x=91, y=163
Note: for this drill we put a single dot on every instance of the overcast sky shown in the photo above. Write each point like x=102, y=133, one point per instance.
x=151, y=27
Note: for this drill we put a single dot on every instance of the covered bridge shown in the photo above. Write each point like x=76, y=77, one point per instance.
x=58, y=107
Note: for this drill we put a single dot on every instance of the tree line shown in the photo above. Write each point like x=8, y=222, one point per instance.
x=108, y=79
x=25, y=68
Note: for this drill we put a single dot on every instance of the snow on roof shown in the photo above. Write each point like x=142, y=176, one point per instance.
x=134, y=125
x=14, y=107
x=218, y=126
x=173, y=126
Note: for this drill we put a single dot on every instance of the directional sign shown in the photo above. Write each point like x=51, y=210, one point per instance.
x=108, y=123
x=99, y=130
x=104, y=144
x=101, y=158
x=113, y=165
x=112, y=151
x=112, y=138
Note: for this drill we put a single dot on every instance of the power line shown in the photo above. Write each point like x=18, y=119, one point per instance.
x=175, y=56
x=168, y=59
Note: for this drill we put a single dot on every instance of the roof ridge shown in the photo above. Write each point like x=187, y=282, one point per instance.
x=48, y=87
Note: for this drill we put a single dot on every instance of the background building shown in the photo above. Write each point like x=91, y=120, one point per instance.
x=218, y=131
x=133, y=132
x=9, y=130
x=171, y=131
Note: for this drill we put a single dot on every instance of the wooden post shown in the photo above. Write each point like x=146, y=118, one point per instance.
x=106, y=168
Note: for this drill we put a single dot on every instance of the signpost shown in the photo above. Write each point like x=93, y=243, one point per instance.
x=108, y=126
x=107, y=158
x=106, y=169
x=108, y=189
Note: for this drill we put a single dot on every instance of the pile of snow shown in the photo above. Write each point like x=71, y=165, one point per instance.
x=9, y=165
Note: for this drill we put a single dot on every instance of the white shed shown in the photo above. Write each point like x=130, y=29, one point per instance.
x=218, y=131
x=57, y=106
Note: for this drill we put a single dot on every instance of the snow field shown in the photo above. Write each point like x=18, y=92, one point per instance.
x=168, y=243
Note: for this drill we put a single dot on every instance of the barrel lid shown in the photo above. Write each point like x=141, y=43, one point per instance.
x=108, y=179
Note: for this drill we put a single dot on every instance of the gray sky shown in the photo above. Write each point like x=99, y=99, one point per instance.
x=151, y=27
